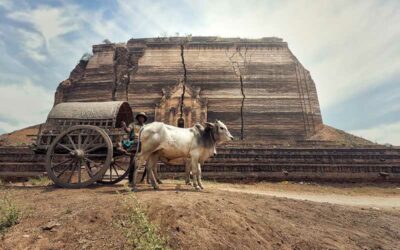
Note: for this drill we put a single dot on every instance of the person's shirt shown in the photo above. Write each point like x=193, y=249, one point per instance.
x=135, y=128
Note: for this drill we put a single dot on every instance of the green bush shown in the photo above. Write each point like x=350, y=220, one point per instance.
x=9, y=214
x=40, y=181
x=138, y=230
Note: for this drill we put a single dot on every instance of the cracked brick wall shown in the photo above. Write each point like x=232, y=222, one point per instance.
x=256, y=86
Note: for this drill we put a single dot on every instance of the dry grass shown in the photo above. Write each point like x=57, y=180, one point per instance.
x=138, y=230
x=40, y=181
x=9, y=213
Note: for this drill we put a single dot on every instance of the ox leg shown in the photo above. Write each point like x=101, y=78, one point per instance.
x=149, y=167
x=148, y=176
x=199, y=176
x=156, y=173
x=187, y=172
x=138, y=162
x=195, y=173
x=143, y=176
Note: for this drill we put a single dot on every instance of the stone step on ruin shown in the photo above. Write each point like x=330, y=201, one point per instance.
x=21, y=158
x=22, y=166
x=306, y=167
x=309, y=159
x=380, y=164
x=305, y=154
x=22, y=169
x=336, y=172
x=294, y=176
x=19, y=154
x=21, y=162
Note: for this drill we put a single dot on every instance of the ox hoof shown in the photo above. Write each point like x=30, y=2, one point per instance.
x=159, y=182
x=156, y=187
x=198, y=188
x=134, y=189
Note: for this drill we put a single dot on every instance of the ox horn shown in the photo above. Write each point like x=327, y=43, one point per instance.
x=210, y=125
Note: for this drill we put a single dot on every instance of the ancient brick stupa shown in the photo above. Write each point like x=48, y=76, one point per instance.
x=255, y=86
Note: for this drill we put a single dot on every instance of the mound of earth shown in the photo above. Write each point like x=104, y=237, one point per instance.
x=340, y=137
x=22, y=137
x=212, y=219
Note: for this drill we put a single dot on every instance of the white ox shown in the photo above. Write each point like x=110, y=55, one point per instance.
x=179, y=146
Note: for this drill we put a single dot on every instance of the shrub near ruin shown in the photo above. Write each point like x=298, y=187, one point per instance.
x=138, y=230
x=9, y=214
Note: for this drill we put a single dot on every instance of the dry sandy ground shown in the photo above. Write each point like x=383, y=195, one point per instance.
x=224, y=216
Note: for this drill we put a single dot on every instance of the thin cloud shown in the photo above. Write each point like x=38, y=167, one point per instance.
x=387, y=133
x=33, y=44
x=24, y=105
x=51, y=22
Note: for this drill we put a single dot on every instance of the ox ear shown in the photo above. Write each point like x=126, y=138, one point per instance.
x=209, y=125
x=198, y=126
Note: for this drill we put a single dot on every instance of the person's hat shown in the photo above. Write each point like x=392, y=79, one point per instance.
x=141, y=114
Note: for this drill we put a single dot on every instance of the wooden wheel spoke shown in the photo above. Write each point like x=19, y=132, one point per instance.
x=64, y=169
x=96, y=155
x=92, y=142
x=71, y=141
x=79, y=172
x=97, y=147
x=93, y=162
x=88, y=169
x=85, y=142
x=119, y=157
x=63, y=162
x=115, y=170
x=117, y=165
x=72, y=173
x=67, y=148
x=80, y=140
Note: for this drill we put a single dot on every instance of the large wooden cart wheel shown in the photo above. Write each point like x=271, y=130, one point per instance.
x=79, y=156
x=118, y=170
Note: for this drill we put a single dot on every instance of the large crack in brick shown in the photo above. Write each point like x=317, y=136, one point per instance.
x=184, y=80
x=120, y=65
x=115, y=84
x=133, y=66
x=240, y=74
x=241, y=108
x=126, y=63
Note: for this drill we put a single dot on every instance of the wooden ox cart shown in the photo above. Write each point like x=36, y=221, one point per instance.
x=80, y=140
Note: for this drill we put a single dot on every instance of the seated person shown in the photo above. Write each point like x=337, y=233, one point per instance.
x=133, y=130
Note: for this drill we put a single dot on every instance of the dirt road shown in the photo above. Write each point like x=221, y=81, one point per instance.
x=224, y=216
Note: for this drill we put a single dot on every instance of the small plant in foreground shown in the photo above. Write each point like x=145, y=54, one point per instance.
x=40, y=181
x=138, y=230
x=9, y=214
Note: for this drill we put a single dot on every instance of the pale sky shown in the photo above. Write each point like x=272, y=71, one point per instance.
x=351, y=48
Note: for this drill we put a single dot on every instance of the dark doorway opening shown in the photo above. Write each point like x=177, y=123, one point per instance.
x=181, y=123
